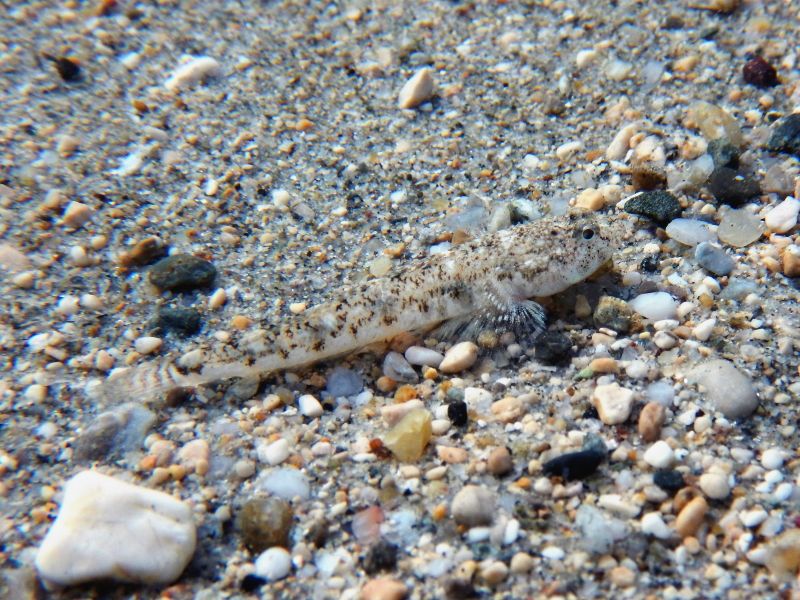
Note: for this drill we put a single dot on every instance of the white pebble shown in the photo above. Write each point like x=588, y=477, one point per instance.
x=702, y=331
x=715, y=485
x=772, y=458
x=655, y=306
x=77, y=214
x=68, y=305
x=619, y=146
x=418, y=355
x=653, y=524
x=753, y=517
x=691, y=232
x=613, y=403
x=585, y=57
x=147, y=344
x=274, y=453
x=274, y=563
x=659, y=455
x=568, y=150
x=783, y=492
x=217, y=299
x=784, y=216
x=459, y=358
x=36, y=393
x=91, y=302
x=416, y=90
x=195, y=69
x=309, y=406
x=553, y=553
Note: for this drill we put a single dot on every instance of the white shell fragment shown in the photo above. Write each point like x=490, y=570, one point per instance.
x=194, y=70
x=416, y=90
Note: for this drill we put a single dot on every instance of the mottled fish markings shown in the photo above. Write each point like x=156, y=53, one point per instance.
x=489, y=278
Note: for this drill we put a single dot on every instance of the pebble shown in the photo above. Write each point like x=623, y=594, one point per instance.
x=459, y=358
x=620, y=145
x=760, y=73
x=110, y=529
x=457, y=413
x=147, y=344
x=286, y=483
x=653, y=524
x=613, y=403
x=182, y=272
x=407, y=440
x=217, y=299
x=791, y=261
x=264, y=522
x=77, y=214
x=366, y=525
x=714, y=485
x=273, y=564
x=739, y=228
x=309, y=406
x=420, y=356
x=384, y=588
x=622, y=576
x=655, y=306
x=192, y=71
x=274, y=453
x=418, y=89
x=499, y=462
x=660, y=392
x=783, y=217
x=772, y=458
x=669, y=480
x=702, y=331
x=753, y=517
x=183, y=321
x=382, y=556
x=650, y=421
x=574, y=465
x=659, y=206
x=691, y=517
x=723, y=153
x=713, y=259
x=552, y=348
x=343, y=383
x=659, y=455
x=732, y=187
x=786, y=135
x=398, y=368
x=553, y=553
x=473, y=506
x=494, y=573
x=728, y=389
x=691, y=232
x=113, y=434
x=613, y=313
x=783, y=555
x=194, y=455
x=451, y=454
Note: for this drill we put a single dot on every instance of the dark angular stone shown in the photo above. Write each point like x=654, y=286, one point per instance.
x=668, y=480
x=760, y=73
x=181, y=272
x=457, y=413
x=68, y=68
x=723, y=153
x=659, y=206
x=382, y=556
x=732, y=187
x=552, y=348
x=574, y=465
x=183, y=321
x=786, y=135
x=650, y=263
x=252, y=582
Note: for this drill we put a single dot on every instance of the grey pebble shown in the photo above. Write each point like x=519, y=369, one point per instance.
x=691, y=231
x=732, y=187
x=713, y=259
x=723, y=153
x=397, y=367
x=786, y=135
x=738, y=288
x=344, y=382
x=182, y=272
x=659, y=206
x=183, y=321
x=114, y=433
x=729, y=390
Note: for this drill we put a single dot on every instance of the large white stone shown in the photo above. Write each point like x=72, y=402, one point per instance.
x=109, y=529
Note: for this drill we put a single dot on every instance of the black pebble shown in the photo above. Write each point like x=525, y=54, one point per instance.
x=659, y=206
x=760, y=73
x=650, y=263
x=723, y=153
x=786, y=135
x=552, y=348
x=251, y=583
x=68, y=69
x=668, y=480
x=459, y=589
x=183, y=321
x=182, y=272
x=732, y=187
x=574, y=465
x=380, y=557
x=457, y=413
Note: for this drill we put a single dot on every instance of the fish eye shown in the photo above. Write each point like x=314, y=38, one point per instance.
x=588, y=233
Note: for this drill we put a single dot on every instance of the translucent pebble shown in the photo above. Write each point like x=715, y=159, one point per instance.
x=655, y=306
x=739, y=228
x=286, y=483
x=396, y=366
x=691, y=232
x=407, y=440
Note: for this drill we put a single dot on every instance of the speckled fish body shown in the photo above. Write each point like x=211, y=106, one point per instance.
x=494, y=274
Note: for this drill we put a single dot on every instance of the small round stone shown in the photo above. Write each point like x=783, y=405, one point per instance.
x=650, y=421
x=457, y=413
x=786, y=135
x=613, y=313
x=499, y=462
x=264, y=522
x=181, y=272
x=773, y=458
x=343, y=383
x=459, y=358
x=691, y=232
x=274, y=564
x=274, y=453
x=384, y=588
x=655, y=306
x=732, y=187
x=183, y=321
x=713, y=259
x=309, y=406
x=552, y=348
x=613, y=403
x=729, y=390
x=691, y=516
x=783, y=217
x=622, y=576
x=473, y=506
x=653, y=524
x=147, y=344
x=739, y=228
x=715, y=485
x=760, y=73
x=659, y=455
x=420, y=356
x=398, y=368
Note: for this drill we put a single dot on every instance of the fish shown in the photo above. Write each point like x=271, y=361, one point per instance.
x=490, y=280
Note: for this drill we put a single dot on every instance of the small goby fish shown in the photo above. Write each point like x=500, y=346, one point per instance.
x=490, y=279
